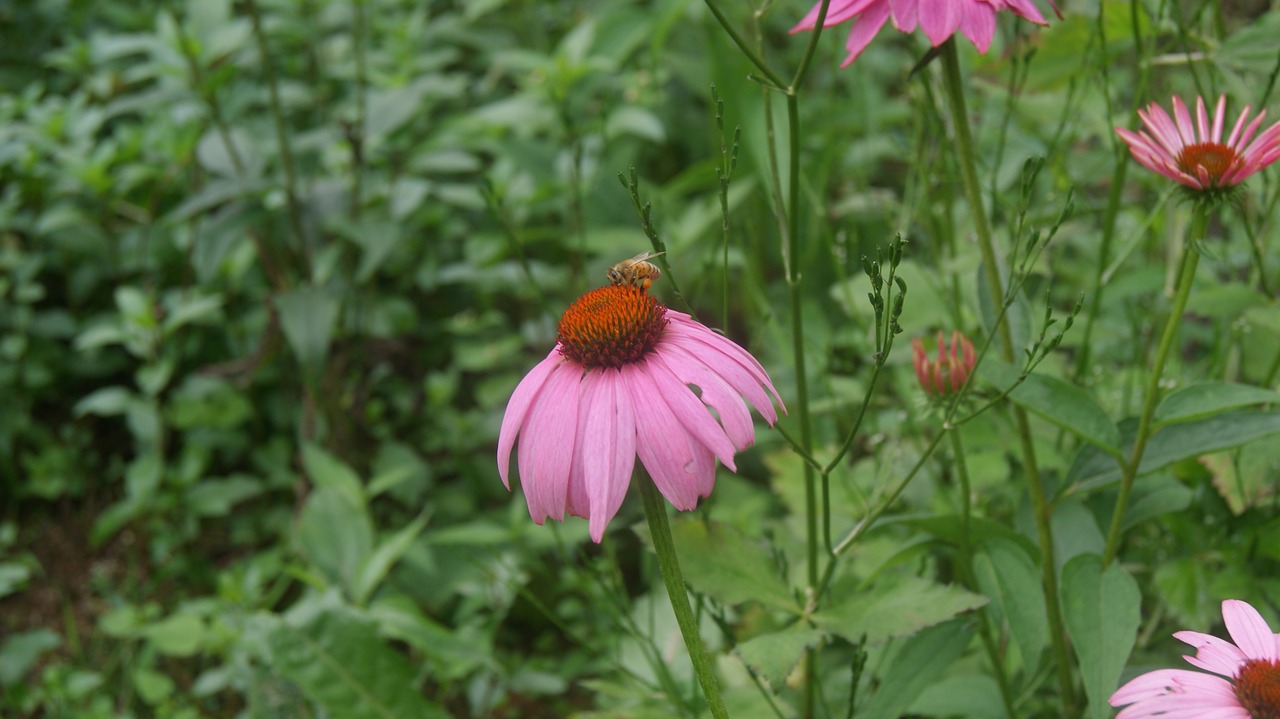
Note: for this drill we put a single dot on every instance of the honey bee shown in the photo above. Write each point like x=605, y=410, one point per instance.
x=635, y=271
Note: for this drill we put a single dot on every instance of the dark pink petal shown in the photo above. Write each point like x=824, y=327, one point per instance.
x=979, y=25
x=863, y=30
x=518, y=407
x=940, y=19
x=1249, y=630
x=1183, y=120
x=837, y=11
x=1212, y=654
x=1202, y=121
x=1219, y=116
x=608, y=450
x=1234, y=137
x=547, y=443
x=906, y=14
x=1027, y=10
x=661, y=441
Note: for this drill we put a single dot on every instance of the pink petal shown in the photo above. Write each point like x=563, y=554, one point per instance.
x=547, y=443
x=1178, y=683
x=684, y=330
x=863, y=30
x=1212, y=654
x=906, y=14
x=1249, y=630
x=661, y=441
x=838, y=11
x=1219, y=115
x=1183, y=119
x=716, y=393
x=518, y=407
x=979, y=25
x=940, y=20
x=608, y=450
x=1028, y=11
x=692, y=414
x=1202, y=121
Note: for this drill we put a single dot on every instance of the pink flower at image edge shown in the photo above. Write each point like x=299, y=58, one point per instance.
x=1193, y=152
x=940, y=19
x=616, y=387
x=1251, y=666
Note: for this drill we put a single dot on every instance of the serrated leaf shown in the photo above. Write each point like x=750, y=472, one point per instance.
x=1206, y=399
x=336, y=658
x=720, y=562
x=774, y=655
x=1102, y=613
x=1060, y=402
x=895, y=608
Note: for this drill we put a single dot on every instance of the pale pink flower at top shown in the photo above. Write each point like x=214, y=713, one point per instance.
x=617, y=386
x=940, y=19
x=947, y=374
x=1193, y=153
x=1251, y=666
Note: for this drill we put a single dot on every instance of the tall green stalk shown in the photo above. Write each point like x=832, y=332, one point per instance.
x=954, y=87
x=656, y=514
x=1190, y=260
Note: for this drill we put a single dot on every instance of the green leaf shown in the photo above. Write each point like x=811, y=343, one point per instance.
x=1007, y=575
x=329, y=472
x=184, y=309
x=214, y=497
x=1206, y=399
x=375, y=567
x=895, y=608
x=152, y=686
x=336, y=659
x=104, y=402
x=1102, y=612
x=1178, y=442
x=921, y=660
x=20, y=652
x=336, y=535
x=774, y=655
x=1060, y=402
x=307, y=316
x=179, y=635
x=720, y=562
x=973, y=696
x=455, y=651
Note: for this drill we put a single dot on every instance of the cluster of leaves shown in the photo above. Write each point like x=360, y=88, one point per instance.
x=269, y=271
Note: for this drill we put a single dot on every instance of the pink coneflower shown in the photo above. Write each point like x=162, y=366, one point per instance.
x=1252, y=664
x=617, y=385
x=947, y=374
x=1193, y=153
x=940, y=19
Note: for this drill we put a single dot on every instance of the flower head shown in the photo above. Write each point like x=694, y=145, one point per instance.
x=940, y=19
x=1251, y=665
x=617, y=386
x=1194, y=154
x=947, y=374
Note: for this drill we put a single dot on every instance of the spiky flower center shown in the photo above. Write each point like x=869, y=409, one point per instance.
x=1258, y=688
x=1214, y=157
x=611, y=326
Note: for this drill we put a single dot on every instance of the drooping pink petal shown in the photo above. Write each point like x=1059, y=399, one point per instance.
x=940, y=19
x=608, y=450
x=838, y=11
x=547, y=444
x=690, y=411
x=717, y=394
x=864, y=31
x=694, y=337
x=1027, y=10
x=661, y=441
x=979, y=25
x=906, y=14
x=518, y=407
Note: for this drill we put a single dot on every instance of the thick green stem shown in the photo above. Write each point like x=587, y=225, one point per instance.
x=1190, y=260
x=954, y=87
x=655, y=512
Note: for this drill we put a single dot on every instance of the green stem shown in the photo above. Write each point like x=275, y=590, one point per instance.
x=655, y=513
x=966, y=570
x=954, y=87
x=1190, y=259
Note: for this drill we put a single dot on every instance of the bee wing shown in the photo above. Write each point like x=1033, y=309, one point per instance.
x=646, y=255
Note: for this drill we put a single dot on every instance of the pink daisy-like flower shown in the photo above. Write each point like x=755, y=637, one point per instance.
x=617, y=385
x=1252, y=664
x=940, y=19
x=1194, y=153
x=947, y=374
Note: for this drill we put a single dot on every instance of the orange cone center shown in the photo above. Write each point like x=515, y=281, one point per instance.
x=1258, y=688
x=1215, y=157
x=611, y=326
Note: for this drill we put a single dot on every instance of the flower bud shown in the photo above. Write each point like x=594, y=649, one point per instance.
x=947, y=374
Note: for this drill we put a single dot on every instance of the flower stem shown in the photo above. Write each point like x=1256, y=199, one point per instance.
x=1190, y=260
x=655, y=512
x=954, y=87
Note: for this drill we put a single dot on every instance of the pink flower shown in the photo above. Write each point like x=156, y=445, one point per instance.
x=617, y=385
x=1252, y=664
x=947, y=374
x=1194, y=154
x=940, y=19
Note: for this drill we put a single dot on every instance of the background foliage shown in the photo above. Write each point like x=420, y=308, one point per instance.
x=270, y=269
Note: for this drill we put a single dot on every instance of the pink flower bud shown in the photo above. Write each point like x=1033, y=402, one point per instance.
x=947, y=374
